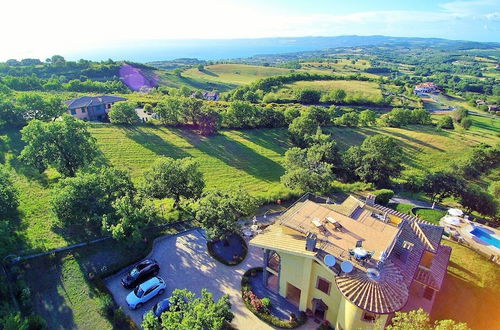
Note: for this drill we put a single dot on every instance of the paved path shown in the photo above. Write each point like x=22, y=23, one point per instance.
x=403, y=200
x=185, y=263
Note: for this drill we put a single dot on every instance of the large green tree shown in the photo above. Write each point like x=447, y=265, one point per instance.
x=442, y=184
x=190, y=312
x=130, y=216
x=474, y=198
x=88, y=198
x=209, y=120
x=218, y=211
x=174, y=178
x=308, y=96
x=301, y=128
x=307, y=170
x=35, y=106
x=376, y=160
x=66, y=145
x=123, y=113
x=169, y=110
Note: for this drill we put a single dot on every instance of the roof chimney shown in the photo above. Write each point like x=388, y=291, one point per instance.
x=370, y=199
x=311, y=242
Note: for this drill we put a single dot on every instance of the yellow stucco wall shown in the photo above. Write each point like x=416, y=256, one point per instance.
x=332, y=300
x=302, y=272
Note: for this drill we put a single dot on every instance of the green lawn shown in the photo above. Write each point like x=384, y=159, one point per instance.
x=63, y=296
x=470, y=290
x=250, y=159
x=403, y=208
x=233, y=74
x=62, y=292
x=247, y=159
x=432, y=216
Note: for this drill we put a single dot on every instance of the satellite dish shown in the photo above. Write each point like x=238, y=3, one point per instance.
x=346, y=266
x=329, y=260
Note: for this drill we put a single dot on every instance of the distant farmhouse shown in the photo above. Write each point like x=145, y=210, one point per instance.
x=208, y=96
x=428, y=87
x=92, y=108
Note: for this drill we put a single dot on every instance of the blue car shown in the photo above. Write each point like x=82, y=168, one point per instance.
x=159, y=308
x=145, y=292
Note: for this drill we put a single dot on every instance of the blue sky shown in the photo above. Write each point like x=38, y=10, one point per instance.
x=34, y=28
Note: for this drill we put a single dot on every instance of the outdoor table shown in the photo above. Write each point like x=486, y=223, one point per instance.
x=359, y=252
x=331, y=220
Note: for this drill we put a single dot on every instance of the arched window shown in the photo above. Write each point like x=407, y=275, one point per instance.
x=273, y=261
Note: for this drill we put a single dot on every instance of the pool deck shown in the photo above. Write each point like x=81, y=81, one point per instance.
x=462, y=232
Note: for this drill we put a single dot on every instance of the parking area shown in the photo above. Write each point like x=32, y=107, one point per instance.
x=185, y=263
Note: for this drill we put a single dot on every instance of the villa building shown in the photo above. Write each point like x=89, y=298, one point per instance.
x=93, y=108
x=427, y=87
x=354, y=263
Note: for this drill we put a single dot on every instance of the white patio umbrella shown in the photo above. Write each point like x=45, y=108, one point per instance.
x=455, y=212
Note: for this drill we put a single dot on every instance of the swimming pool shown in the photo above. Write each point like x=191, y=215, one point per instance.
x=485, y=236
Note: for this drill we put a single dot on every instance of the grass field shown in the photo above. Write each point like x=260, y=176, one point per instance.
x=250, y=159
x=470, y=290
x=365, y=88
x=62, y=292
x=233, y=74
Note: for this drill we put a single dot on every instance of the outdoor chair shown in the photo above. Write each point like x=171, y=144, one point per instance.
x=338, y=226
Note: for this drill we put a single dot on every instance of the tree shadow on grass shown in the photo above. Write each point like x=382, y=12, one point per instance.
x=209, y=73
x=417, y=141
x=50, y=295
x=148, y=139
x=464, y=301
x=235, y=154
x=274, y=139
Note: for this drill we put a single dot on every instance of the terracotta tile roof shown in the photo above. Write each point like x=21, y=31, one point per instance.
x=383, y=294
x=399, y=249
x=434, y=276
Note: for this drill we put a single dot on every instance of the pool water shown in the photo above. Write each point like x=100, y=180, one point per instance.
x=486, y=237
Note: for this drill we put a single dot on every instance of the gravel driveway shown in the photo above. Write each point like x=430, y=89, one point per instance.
x=185, y=263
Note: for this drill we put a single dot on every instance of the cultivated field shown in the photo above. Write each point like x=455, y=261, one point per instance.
x=250, y=159
x=366, y=88
x=233, y=74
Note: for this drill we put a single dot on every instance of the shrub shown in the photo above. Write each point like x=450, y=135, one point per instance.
x=383, y=196
x=148, y=108
x=445, y=122
x=308, y=96
x=106, y=305
x=36, y=322
x=266, y=302
x=255, y=305
x=466, y=123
